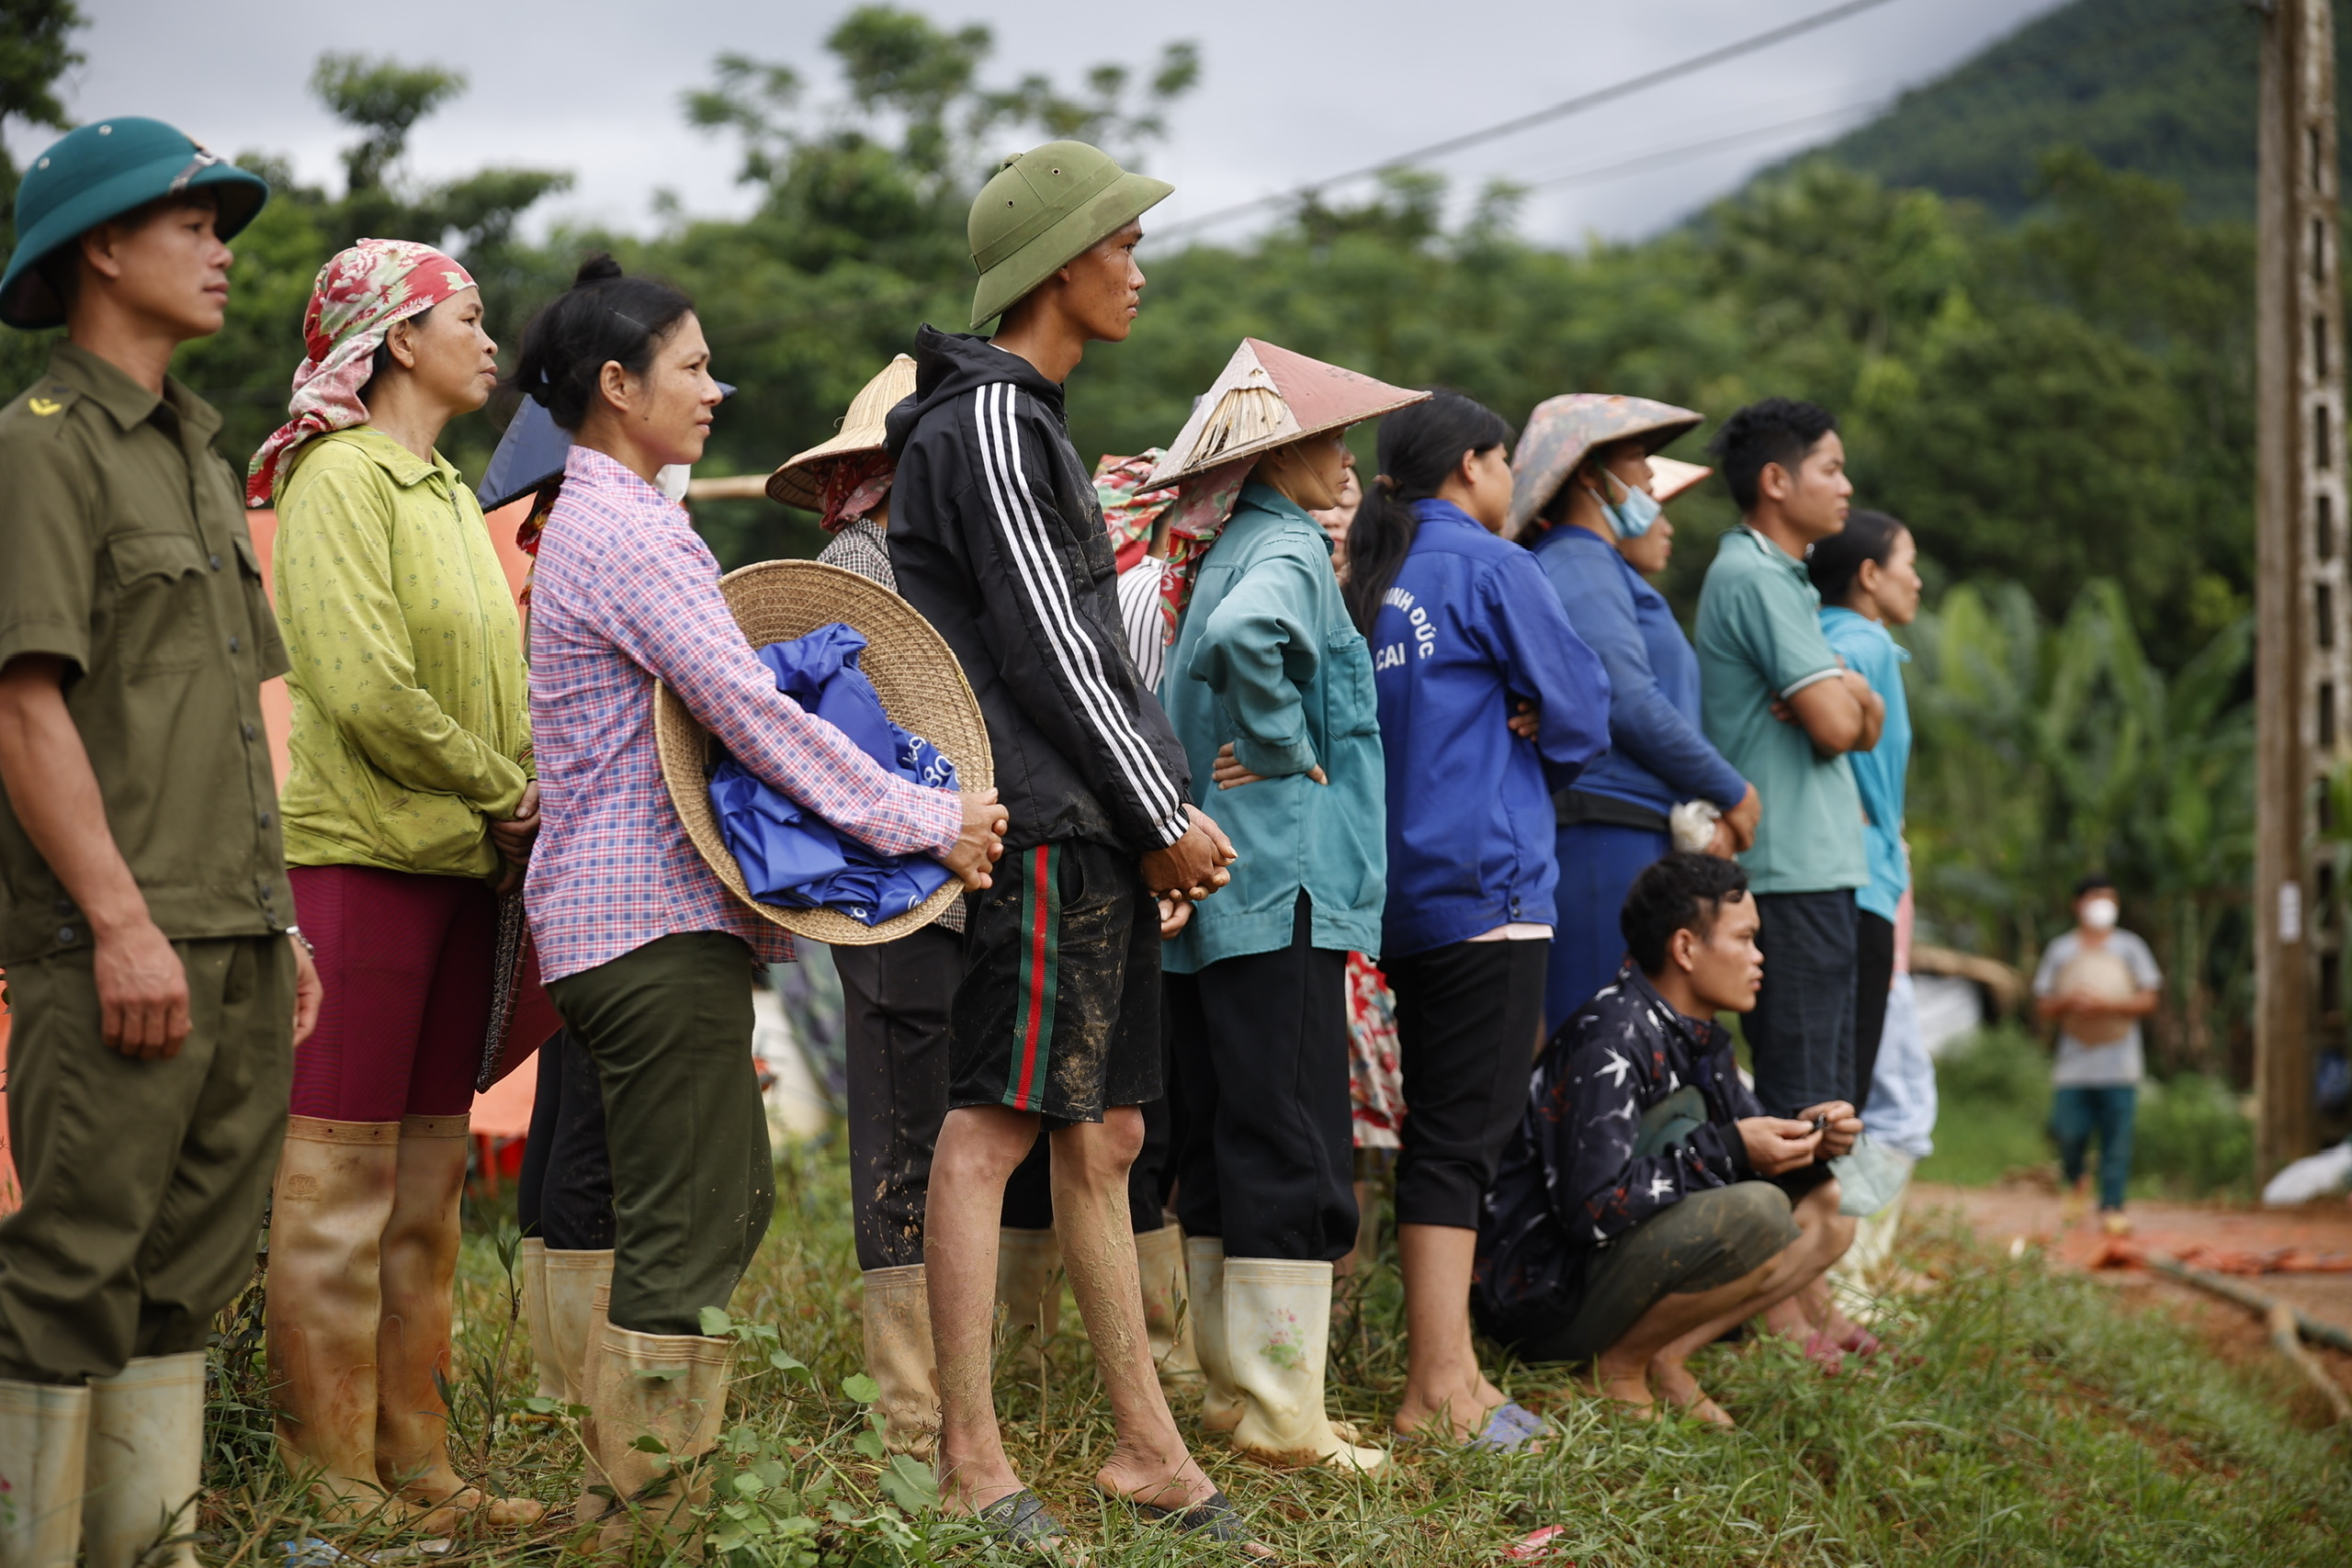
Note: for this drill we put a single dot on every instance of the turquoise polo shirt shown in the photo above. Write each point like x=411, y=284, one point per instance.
x=1760, y=638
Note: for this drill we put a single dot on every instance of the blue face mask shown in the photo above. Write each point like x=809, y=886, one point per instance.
x=1631, y=517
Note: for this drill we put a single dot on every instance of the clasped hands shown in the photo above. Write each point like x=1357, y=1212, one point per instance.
x=1776, y=1145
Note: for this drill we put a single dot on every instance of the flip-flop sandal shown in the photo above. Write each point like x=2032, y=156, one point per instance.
x=1021, y=1519
x=1216, y=1520
x=1511, y=1428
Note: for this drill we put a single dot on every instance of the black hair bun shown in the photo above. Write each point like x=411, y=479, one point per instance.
x=598, y=268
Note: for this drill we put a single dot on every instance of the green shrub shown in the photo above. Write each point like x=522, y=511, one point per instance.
x=2191, y=1140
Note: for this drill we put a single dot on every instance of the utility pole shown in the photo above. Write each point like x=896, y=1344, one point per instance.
x=2303, y=656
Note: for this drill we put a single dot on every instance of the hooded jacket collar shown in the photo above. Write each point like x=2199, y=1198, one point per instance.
x=948, y=365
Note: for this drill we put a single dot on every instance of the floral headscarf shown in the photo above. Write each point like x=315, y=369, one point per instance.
x=359, y=294
x=853, y=485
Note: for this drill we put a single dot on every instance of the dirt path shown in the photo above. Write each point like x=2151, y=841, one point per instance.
x=2001, y=1216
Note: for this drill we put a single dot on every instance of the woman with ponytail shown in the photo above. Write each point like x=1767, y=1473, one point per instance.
x=644, y=953
x=1489, y=703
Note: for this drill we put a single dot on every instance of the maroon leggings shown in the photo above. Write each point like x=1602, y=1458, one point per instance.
x=406, y=961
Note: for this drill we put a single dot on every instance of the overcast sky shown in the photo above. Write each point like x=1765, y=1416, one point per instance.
x=1290, y=92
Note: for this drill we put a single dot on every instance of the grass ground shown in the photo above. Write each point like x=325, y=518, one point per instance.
x=2038, y=1425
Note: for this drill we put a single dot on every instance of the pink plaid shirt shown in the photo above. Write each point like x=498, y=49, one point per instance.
x=626, y=592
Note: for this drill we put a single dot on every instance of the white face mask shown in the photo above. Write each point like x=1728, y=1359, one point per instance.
x=2100, y=914
x=672, y=480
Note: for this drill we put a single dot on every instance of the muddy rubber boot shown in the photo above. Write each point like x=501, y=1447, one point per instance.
x=1277, y=1331
x=1029, y=1289
x=43, y=1447
x=1204, y=1271
x=531, y=1275
x=571, y=1280
x=146, y=1462
x=420, y=1278
x=672, y=1387
x=322, y=1302
x=595, y=1499
x=898, y=1356
x=1167, y=1312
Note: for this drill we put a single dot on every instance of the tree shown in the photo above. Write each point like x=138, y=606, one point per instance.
x=35, y=50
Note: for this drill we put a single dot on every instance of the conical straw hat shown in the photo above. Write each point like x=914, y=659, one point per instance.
x=795, y=483
x=1563, y=430
x=914, y=672
x=1268, y=397
x=1670, y=477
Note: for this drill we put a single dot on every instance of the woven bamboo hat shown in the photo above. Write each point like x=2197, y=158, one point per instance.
x=1670, y=477
x=1268, y=397
x=1563, y=431
x=914, y=672
x=795, y=483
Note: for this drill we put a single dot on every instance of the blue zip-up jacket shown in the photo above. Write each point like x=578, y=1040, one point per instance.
x=1468, y=626
x=1658, y=755
x=1269, y=660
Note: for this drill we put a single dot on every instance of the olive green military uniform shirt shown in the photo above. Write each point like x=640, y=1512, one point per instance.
x=123, y=550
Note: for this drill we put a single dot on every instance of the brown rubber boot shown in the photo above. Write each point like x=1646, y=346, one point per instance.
x=668, y=1386
x=898, y=1356
x=323, y=1299
x=1167, y=1310
x=420, y=1277
x=574, y=1281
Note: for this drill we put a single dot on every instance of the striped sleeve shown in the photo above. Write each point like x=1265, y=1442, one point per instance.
x=1066, y=668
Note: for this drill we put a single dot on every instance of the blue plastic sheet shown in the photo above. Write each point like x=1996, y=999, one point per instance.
x=791, y=856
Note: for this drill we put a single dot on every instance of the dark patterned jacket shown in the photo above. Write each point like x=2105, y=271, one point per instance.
x=1570, y=1182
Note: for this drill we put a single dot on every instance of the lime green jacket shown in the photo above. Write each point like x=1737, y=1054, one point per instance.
x=412, y=702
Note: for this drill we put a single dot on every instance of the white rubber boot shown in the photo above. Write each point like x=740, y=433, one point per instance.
x=668, y=1386
x=593, y=1503
x=44, y=1445
x=1278, y=1331
x=531, y=1274
x=1029, y=1288
x=1167, y=1312
x=572, y=1281
x=898, y=1356
x=146, y=1462
x=1204, y=1271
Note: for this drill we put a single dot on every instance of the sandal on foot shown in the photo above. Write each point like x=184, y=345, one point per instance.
x=1021, y=1519
x=1511, y=1428
x=1214, y=1519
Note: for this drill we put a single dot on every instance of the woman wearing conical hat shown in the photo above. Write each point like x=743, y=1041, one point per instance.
x=1269, y=688
x=1586, y=495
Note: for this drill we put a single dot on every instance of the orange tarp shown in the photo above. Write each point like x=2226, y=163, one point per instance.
x=505, y=1110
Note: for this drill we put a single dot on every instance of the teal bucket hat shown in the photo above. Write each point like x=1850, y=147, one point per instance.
x=100, y=171
x=1042, y=210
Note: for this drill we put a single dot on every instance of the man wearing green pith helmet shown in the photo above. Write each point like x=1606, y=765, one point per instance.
x=997, y=537
x=156, y=981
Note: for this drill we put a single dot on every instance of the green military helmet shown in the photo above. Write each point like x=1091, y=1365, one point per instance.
x=1045, y=208
x=100, y=171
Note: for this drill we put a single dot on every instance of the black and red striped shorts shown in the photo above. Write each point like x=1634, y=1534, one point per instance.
x=1059, y=1012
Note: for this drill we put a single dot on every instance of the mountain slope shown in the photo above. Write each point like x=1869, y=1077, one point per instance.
x=2165, y=88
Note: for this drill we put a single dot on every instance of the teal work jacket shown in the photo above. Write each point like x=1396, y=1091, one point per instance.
x=1268, y=658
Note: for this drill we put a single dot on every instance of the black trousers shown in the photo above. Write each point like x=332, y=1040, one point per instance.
x=1801, y=1033
x=566, y=1194
x=1873, y=978
x=1029, y=1193
x=1469, y=1022
x=1262, y=1083
x=896, y=1001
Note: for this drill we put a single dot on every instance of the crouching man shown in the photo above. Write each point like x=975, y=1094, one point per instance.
x=1647, y=1203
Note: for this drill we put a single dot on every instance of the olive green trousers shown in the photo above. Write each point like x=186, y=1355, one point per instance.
x=143, y=1182
x=669, y=1026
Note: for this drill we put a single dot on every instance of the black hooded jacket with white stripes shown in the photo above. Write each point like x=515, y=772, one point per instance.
x=996, y=538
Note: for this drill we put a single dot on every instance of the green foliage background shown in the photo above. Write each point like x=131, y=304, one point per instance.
x=2027, y=290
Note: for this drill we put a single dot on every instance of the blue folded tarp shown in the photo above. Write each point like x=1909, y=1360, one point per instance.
x=790, y=855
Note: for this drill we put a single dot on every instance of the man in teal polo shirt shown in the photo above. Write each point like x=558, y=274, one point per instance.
x=1784, y=711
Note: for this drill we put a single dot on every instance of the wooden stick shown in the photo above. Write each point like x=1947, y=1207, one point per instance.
x=2286, y=1340
x=2248, y=1296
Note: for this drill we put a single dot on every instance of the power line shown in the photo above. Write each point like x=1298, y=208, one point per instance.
x=1671, y=154
x=1541, y=117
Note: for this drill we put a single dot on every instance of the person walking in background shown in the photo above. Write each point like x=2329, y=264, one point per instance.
x=155, y=970
x=1490, y=701
x=645, y=953
x=1269, y=688
x=1582, y=500
x=1784, y=712
x=2096, y=982
x=1868, y=576
x=997, y=537
x=409, y=800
